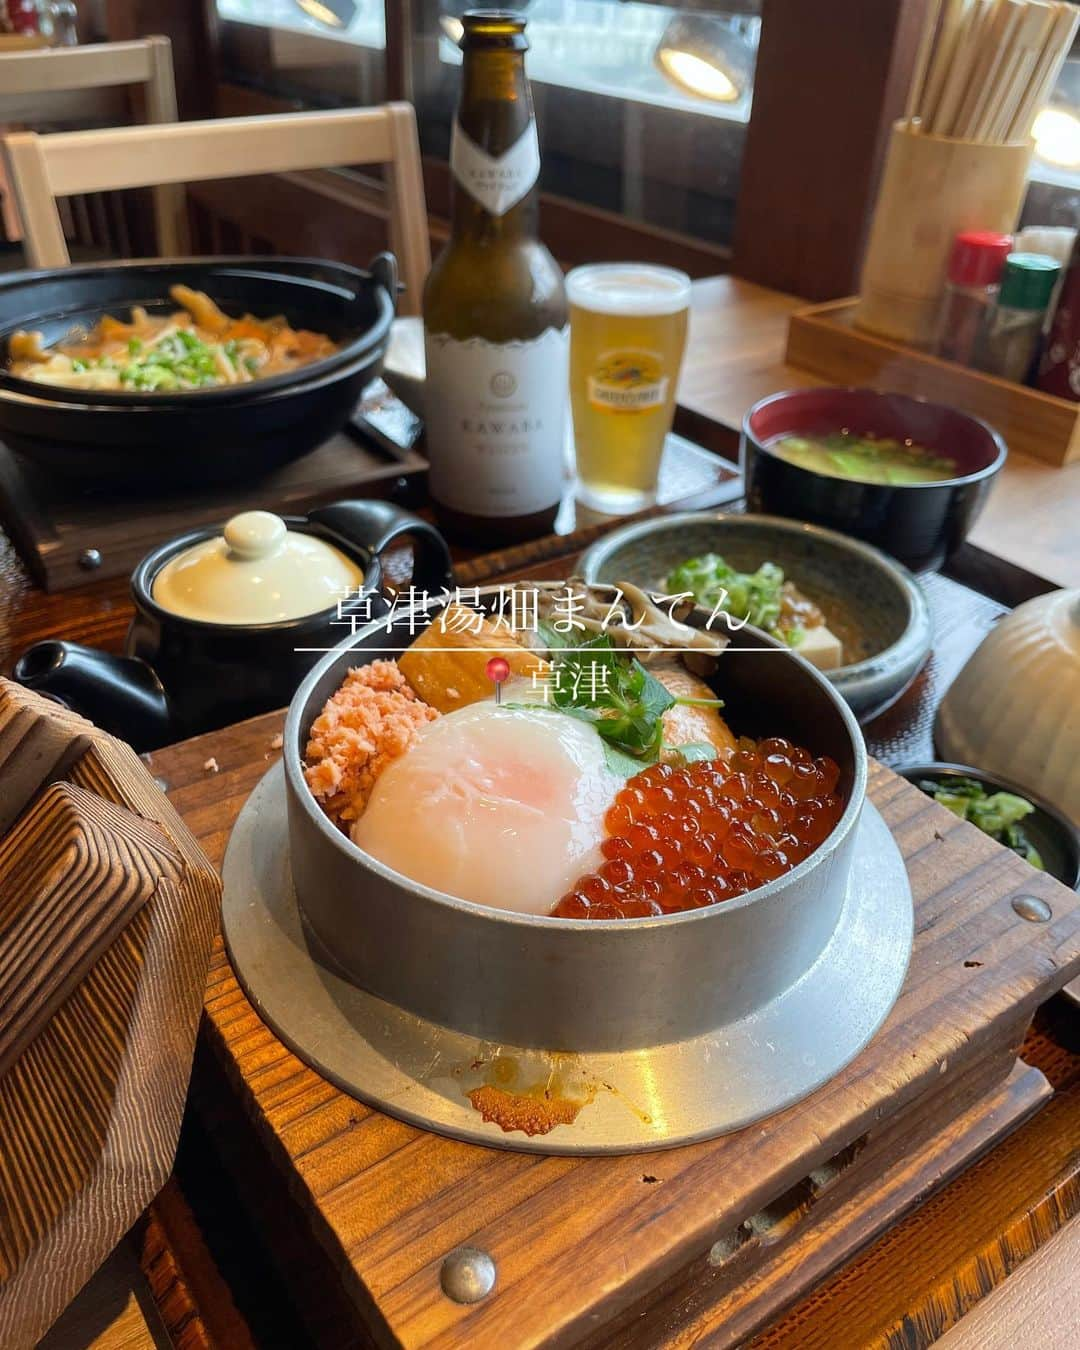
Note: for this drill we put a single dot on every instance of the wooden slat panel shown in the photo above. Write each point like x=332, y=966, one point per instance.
x=90, y=1109
x=73, y=872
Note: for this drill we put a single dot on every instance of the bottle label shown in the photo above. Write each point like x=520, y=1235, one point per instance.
x=496, y=183
x=628, y=382
x=495, y=414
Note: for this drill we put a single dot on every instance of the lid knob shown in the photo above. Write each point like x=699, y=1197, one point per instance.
x=255, y=534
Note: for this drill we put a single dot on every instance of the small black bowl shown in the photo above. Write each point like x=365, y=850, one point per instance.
x=211, y=436
x=1052, y=833
x=918, y=523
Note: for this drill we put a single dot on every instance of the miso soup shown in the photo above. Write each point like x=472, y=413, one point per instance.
x=865, y=459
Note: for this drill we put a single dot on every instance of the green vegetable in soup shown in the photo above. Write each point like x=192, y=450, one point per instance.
x=865, y=459
x=997, y=814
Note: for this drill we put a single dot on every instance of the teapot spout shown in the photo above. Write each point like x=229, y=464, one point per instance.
x=120, y=694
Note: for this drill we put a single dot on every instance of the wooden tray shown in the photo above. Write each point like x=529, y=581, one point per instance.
x=823, y=340
x=710, y=1241
x=107, y=912
x=68, y=536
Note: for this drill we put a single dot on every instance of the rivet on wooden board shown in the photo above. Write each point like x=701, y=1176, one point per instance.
x=90, y=559
x=1032, y=908
x=467, y=1275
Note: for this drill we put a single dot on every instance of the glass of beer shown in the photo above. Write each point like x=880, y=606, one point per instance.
x=627, y=337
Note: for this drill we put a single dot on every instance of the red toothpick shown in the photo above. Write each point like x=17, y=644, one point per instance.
x=498, y=670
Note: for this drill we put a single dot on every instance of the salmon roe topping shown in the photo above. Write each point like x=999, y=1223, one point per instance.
x=683, y=838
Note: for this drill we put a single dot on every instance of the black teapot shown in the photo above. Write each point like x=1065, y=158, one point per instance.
x=228, y=620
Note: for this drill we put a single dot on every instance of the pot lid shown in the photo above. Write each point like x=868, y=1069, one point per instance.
x=258, y=571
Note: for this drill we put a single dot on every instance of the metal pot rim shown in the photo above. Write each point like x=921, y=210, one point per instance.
x=315, y=814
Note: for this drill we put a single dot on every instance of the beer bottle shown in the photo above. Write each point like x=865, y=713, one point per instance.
x=495, y=310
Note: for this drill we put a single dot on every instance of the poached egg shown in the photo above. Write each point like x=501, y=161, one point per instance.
x=501, y=806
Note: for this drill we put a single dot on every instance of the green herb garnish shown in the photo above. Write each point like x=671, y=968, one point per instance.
x=997, y=814
x=179, y=361
x=693, y=751
x=599, y=684
x=604, y=685
x=753, y=596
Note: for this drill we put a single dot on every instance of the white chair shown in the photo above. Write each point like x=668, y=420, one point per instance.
x=42, y=169
x=95, y=83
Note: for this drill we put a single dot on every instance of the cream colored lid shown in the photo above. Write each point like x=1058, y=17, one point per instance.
x=259, y=572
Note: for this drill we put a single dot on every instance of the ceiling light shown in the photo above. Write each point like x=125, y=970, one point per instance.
x=332, y=13
x=708, y=56
x=1057, y=137
x=452, y=27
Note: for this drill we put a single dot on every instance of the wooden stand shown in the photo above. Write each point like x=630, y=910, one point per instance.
x=825, y=341
x=68, y=534
x=709, y=1241
x=107, y=911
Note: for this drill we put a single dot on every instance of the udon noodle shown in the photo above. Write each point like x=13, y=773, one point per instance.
x=196, y=347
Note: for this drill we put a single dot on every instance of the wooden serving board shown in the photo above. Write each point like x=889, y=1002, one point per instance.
x=704, y=1243
x=107, y=912
x=823, y=339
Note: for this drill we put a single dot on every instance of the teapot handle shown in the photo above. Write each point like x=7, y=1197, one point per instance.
x=120, y=694
x=372, y=526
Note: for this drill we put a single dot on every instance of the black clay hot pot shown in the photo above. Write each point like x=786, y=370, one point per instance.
x=203, y=436
x=919, y=523
x=182, y=676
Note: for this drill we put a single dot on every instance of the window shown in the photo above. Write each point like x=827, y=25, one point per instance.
x=284, y=48
x=665, y=94
x=1054, y=192
x=1057, y=131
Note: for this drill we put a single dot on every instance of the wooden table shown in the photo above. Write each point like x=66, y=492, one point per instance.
x=935, y=1265
x=735, y=356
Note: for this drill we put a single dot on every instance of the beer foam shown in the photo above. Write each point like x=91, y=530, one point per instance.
x=628, y=288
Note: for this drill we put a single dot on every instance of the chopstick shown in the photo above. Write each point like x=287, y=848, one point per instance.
x=985, y=69
x=952, y=24
x=1047, y=70
x=1035, y=26
x=922, y=60
x=959, y=74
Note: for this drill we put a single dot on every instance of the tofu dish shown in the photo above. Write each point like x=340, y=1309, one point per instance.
x=586, y=772
x=764, y=598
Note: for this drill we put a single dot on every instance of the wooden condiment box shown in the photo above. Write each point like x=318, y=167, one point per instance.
x=823, y=339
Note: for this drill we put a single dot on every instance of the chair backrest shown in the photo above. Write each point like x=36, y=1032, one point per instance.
x=61, y=84
x=43, y=168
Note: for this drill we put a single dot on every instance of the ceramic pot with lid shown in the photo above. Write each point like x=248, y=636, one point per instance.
x=228, y=620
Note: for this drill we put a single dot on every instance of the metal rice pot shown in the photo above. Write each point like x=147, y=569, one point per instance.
x=579, y=985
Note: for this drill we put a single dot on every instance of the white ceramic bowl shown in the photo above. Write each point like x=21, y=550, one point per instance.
x=1014, y=710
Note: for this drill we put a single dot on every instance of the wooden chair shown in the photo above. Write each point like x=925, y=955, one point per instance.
x=72, y=83
x=43, y=168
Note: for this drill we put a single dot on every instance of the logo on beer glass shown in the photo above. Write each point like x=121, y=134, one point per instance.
x=503, y=384
x=628, y=382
